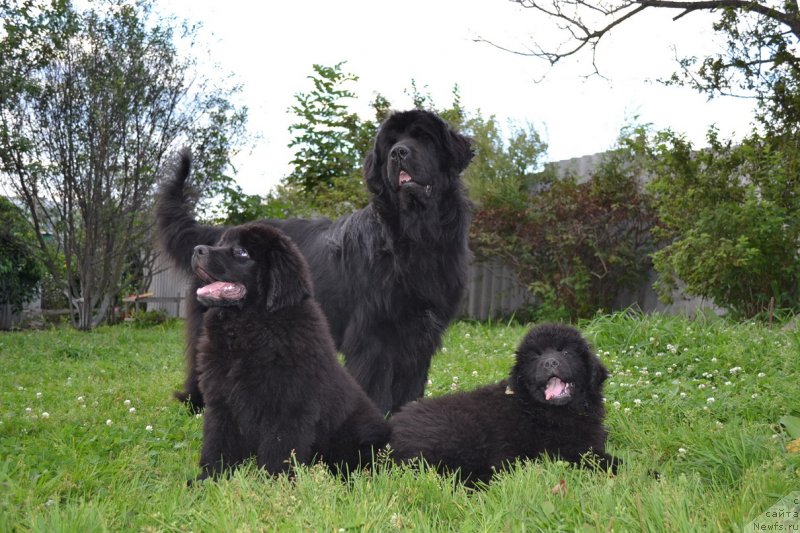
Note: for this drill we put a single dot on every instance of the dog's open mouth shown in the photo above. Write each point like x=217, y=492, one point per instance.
x=404, y=179
x=219, y=292
x=557, y=390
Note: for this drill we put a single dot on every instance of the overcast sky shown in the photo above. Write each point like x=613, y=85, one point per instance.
x=270, y=48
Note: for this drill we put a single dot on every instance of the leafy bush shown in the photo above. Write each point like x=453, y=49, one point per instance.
x=731, y=220
x=574, y=240
x=20, y=268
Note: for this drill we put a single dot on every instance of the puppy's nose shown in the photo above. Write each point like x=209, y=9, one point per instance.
x=399, y=152
x=551, y=363
x=201, y=249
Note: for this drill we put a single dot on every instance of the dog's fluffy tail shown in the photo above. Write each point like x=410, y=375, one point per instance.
x=178, y=230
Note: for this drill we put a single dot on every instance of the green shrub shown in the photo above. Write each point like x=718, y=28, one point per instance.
x=575, y=241
x=730, y=219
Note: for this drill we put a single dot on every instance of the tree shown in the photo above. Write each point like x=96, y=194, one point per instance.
x=330, y=143
x=329, y=140
x=20, y=268
x=91, y=103
x=730, y=212
x=760, y=49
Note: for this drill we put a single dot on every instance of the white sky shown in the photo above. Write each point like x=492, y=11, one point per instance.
x=269, y=47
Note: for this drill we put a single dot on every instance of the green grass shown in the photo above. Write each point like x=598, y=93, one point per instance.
x=722, y=461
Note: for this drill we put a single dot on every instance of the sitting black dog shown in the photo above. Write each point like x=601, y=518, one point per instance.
x=551, y=404
x=267, y=364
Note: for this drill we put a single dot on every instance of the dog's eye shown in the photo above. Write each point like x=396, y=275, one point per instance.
x=241, y=252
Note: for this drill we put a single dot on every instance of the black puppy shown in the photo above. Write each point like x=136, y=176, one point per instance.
x=268, y=369
x=551, y=404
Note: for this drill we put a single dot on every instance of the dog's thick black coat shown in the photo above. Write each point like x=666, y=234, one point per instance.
x=389, y=277
x=267, y=364
x=551, y=404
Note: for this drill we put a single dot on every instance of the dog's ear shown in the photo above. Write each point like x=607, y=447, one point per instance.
x=284, y=276
x=287, y=285
x=598, y=373
x=460, y=149
x=373, y=172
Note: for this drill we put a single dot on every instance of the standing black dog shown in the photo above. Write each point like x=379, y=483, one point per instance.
x=552, y=404
x=389, y=277
x=268, y=369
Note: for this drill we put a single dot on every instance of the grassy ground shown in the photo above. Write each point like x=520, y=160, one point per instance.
x=90, y=439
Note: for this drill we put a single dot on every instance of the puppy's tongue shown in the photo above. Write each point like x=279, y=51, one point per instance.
x=404, y=177
x=555, y=387
x=222, y=290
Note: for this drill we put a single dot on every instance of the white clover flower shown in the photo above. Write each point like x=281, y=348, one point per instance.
x=132, y=410
x=735, y=370
x=467, y=335
x=126, y=403
x=683, y=395
x=38, y=395
x=719, y=425
x=109, y=422
x=430, y=382
x=617, y=405
x=28, y=410
x=761, y=374
x=637, y=402
x=80, y=399
x=652, y=339
x=148, y=428
x=658, y=374
x=199, y=415
x=627, y=409
x=655, y=396
x=455, y=379
x=713, y=359
x=474, y=373
x=701, y=386
x=682, y=451
x=45, y=414
x=754, y=396
x=711, y=399
x=728, y=383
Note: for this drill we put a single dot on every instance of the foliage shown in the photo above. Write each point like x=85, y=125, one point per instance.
x=330, y=141
x=93, y=464
x=148, y=319
x=576, y=241
x=20, y=268
x=91, y=101
x=730, y=217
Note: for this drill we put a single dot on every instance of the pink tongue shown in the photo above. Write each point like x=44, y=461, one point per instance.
x=404, y=177
x=222, y=290
x=555, y=387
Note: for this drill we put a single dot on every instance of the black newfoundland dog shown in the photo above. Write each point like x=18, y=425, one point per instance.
x=552, y=404
x=389, y=277
x=268, y=369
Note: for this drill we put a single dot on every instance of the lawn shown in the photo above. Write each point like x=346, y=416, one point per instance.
x=90, y=439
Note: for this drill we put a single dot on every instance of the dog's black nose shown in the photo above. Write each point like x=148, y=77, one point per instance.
x=399, y=152
x=551, y=363
x=200, y=249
